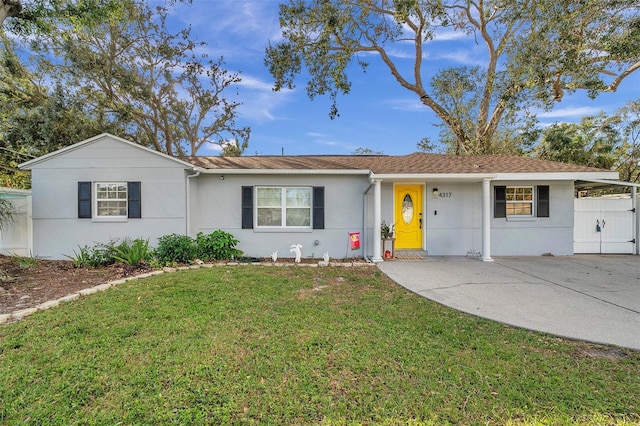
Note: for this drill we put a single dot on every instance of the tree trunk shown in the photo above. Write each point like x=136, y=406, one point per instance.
x=9, y=9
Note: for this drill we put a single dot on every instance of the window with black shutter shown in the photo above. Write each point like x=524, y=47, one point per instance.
x=500, y=201
x=542, y=199
x=318, y=207
x=134, y=195
x=109, y=200
x=84, y=200
x=247, y=207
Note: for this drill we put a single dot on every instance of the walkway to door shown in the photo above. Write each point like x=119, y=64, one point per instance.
x=595, y=298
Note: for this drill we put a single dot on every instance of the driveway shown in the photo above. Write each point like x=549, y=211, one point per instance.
x=595, y=298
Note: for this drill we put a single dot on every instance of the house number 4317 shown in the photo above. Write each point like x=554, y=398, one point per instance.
x=445, y=194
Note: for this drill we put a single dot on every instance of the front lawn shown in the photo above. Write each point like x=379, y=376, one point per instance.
x=293, y=345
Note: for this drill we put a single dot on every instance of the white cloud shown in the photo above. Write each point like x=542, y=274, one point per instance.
x=259, y=101
x=569, y=112
x=463, y=56
x=449, y=35
x=254, y=83
x=406, y=104
x=232, y=28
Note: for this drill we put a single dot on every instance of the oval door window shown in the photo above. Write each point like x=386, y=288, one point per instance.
x=407, y=209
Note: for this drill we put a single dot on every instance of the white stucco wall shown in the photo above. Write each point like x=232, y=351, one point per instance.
x=454, y=223
x=216, y=204
x=536, y=236
x=453, y=220
x=57, y=231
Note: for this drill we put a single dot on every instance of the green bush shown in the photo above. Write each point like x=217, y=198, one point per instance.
x=175, y=248
x=172, y=249
x=132, y=253
x=218, y=245
x=98, y=255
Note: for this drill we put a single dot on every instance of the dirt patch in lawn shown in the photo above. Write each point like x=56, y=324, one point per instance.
x=28, y=282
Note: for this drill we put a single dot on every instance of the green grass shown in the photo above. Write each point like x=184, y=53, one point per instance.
x=295, y=345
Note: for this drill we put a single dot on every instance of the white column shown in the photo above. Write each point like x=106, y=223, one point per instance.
x=377, y=218
x=486, y=220
x=634, y=206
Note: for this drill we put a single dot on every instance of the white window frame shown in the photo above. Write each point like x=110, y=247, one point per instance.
x=283, y=206
x=531, y=202
x=96, y=202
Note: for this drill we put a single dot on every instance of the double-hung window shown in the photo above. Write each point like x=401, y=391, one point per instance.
x=519, y=200
x=111, y=199
x=283, y=207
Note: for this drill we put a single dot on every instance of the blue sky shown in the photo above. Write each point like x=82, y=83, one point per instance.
x=378, y=113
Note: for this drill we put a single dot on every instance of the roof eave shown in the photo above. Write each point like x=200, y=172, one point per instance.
x=460, y=177
x=284, y=171
x=558, y=175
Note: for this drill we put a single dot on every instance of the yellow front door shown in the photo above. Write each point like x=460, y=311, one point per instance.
x=408, y=216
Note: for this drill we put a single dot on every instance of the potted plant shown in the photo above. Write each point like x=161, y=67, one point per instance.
x=386, y=231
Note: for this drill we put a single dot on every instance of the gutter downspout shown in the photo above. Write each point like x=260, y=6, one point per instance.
x=188, y=209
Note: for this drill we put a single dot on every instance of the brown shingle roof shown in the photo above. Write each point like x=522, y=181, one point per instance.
x=416, y=163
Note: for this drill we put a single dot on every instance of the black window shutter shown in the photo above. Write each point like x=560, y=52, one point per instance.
x=247, y=207
x=542, y=208
x=318, y=207
x=134, y=195
x=500, y=201
x=84, y=200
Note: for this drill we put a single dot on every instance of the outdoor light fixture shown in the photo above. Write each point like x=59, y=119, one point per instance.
x=435, y=192
x=221, y=177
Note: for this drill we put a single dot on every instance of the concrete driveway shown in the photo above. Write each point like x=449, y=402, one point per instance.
x=595, y=298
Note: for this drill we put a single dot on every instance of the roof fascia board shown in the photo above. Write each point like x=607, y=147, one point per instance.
x=13, y=192
x=28, y=164
x=613, y=182
x=460, y=177
x=284, y=171
x=558, y=176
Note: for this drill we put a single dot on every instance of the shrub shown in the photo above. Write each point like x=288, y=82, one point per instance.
x=175, y=248
x=218, y=245
x=26, y=262
x=98, y=255
x=132, y=253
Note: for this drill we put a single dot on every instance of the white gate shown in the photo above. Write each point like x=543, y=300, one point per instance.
x=16, y=235
x=603, y=225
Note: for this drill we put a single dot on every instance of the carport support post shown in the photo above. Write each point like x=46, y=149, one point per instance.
x=486, y=220
x=377, y=218
x=634, y=206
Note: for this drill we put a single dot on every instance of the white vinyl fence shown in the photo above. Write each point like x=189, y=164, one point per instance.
x=16, y=236
x=604, y=225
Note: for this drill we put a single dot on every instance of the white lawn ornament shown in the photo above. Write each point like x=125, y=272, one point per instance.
x=295, y=248
x=325, y=260
x=274, y=256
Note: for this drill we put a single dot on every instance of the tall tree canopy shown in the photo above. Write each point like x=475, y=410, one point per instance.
x=605, y=141
x=593, y=142
x=150, y=80
x=35, y=17
x=93, y=66
x=629, y=150
x=535, y=52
